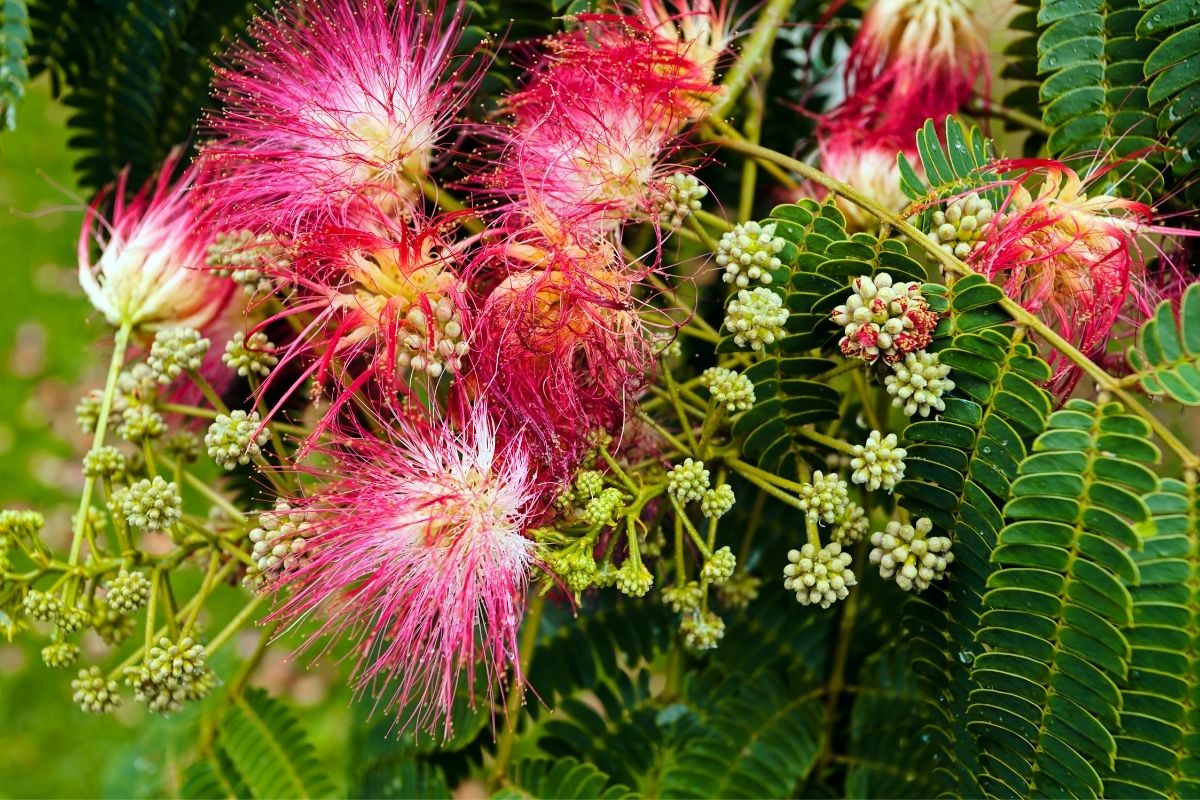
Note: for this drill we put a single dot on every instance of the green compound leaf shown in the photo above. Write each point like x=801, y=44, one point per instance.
x=1159, y=717
x=214, y=778
x=962, y=164
x=408, y=779
x=1172, y=28
x=14, y=40
x=565, y=778
x=1166, y=359
x=267, y=745
x=1044, y=705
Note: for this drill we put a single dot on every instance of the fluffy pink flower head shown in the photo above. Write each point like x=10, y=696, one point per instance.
x=386, y=300
x=415, y=550
x=592, y=128
x=867, y=162
x=698, y=29
x=561, y=345
x=333, y=102
x=151, y=272
x=1070, y=258
x=913, y=60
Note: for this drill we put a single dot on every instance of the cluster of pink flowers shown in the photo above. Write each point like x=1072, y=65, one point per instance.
x=467, y=358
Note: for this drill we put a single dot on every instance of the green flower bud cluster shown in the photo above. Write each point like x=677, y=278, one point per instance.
x=42, y=606
x=173, y=673
x=21, y=524
x=910, y=555
x=60, y=655
x=176, y=350
x=112, y=626
x=128, y=592
x=136, y=385
x=245, y=256
x=278, y=542
x=253, y=355
x=918, y=382
x=719, y=567
x=87, y=411
x=729, y=388
x=634, y=579
x=879, y=462
x=715, y=503
x=104, y=462
x=576, y=567
x=589, y=483
x=94, y=693
x=683, y=196
x=71, y=619
x=141, y=422
x=756, y=318
x=683, y=598
x=236, y=438
x=749, y=252
x=825, y=498
x=960, y=228
x=183, y=446
x=739, y=591
x=702, y=630
x=851, y=525
x=150, y=504
x=688, y=481
x=599, y=511
x=819, y=576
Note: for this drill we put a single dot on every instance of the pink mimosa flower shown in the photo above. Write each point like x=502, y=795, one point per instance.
x=913, y=60
x=333, y=102
x=1072, y=259
x=151, y=272
x=700, y=29
x=415, y=550
x=385, y=299
x=867, y=162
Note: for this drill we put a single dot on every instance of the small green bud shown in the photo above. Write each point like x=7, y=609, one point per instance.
x=128, y=592
x=719, y=567
x=175, y=351
x=232, y=438
x=94, y=693
x=104, y=462
x=60, y=655
x=150, y=504
x=250, y=355
x=634, y=579
x=687, y=481
x=717, y=502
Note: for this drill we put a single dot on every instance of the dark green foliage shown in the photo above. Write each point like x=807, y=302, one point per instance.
x=1172, y=28
x=564, y=778
x=136, y=74
x=1046, y=704
x=1167, y=356
x=961, y=164
x=14, y=39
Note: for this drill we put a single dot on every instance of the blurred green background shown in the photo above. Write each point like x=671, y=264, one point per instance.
x=52, y=349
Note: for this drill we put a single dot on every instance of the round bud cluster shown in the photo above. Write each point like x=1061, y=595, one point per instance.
x=94, y=693
x=42, y=606
x=184, y=446
x=71, y=619
x=600, y=509
x=173, y=673
x=825, y=498
x=128, y=592
x=60, y=655
x=728, y=388
x=918, y=382
x=589, y=483
x=702, y=631
x=279, y=540
x=252, y=355
x=884, y=319
x=136, y=385
x=245, y=256
x=739, y=591
x=719, y=566
x=435, y=346
x=756, y=318
x=959, y=229
x=87, y=411
x=141, y=422
x=687, y=481
x=879, y=462
x=606, y=575
x=235, y=438
x=717, y=502
x=910, y=555
x=683, y=195
x=21, y=523
x=150, y=504
x=104, y=462
x=114, y=628
x=634, y=579
x=851, y=525
x=683, y=598
x=577, y=568
x=749, y=252
x=819, y=576
x=176, y=350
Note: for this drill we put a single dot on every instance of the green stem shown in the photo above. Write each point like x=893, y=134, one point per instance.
x=214, y=562
x=120, y=344
x=663, y=432
x=753, y=132
x=616, y=468
x=235, y=624
x=206, y=389
x=756, y=48
x=701, y=545
x=702, y=233
x=749, y=471
x=712, y=219
x=206, y=413
x=951, y=264
x=209, y=493
x=516, y=694
x=826, y=441
x=987, y=108
x=756, y=512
